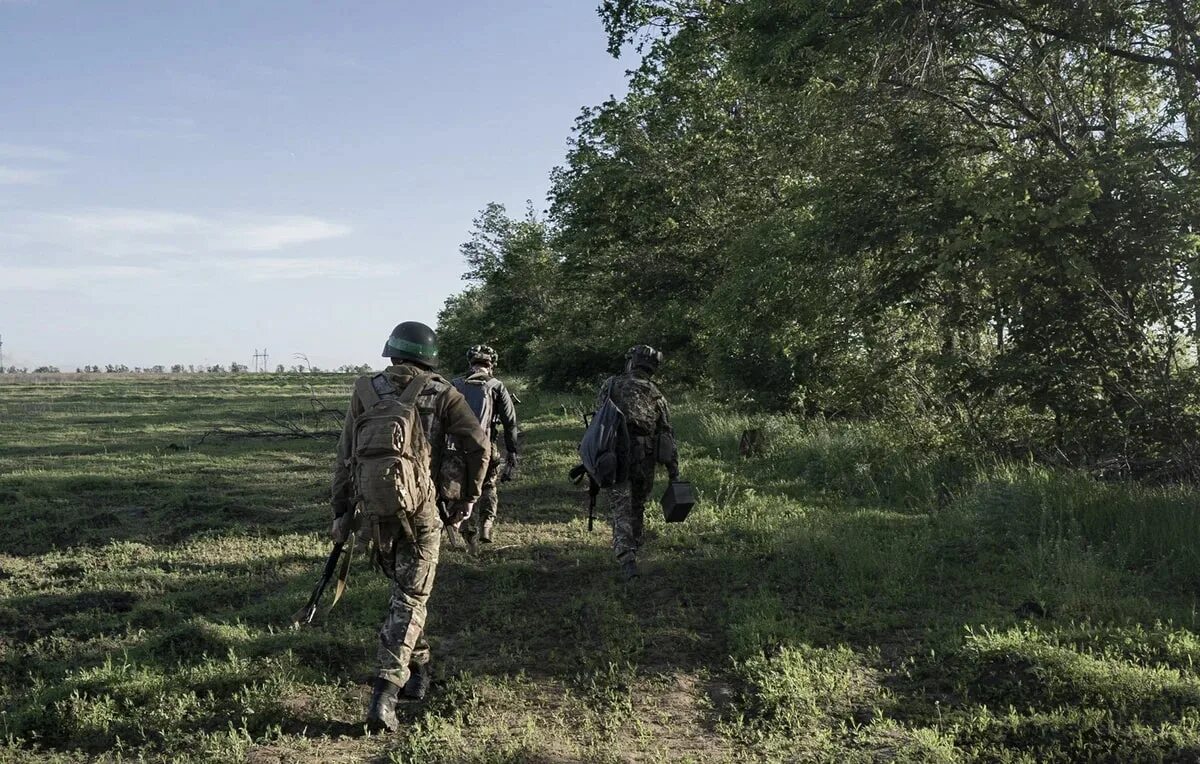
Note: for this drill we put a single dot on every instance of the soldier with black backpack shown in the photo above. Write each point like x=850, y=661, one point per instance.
x=493, y=405
x=396, y=432
x=645, y=439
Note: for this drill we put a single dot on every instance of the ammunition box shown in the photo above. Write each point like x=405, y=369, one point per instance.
x=678, y=500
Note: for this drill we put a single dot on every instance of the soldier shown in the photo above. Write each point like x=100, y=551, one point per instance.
x=651, y=442
x=367, y=486
x=492, y=404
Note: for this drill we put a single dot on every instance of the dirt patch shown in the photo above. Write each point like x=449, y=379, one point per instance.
x=681, y=721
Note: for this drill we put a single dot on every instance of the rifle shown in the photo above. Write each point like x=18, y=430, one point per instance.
x=593, y=489
x=305, y=615
x=576, y=476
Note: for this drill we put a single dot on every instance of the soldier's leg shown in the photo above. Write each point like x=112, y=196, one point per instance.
x=641, y=480
x=401, y=638
x=625, y=542
x=421, y=653
x=481, y=520
x=489, y=500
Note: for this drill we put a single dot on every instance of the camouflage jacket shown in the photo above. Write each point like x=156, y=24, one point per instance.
x=444, y=413
x=647, y=414
x=504, y=410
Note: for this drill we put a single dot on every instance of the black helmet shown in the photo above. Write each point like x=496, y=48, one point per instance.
x=412, y=341
x=643, y=357
x=482, y=354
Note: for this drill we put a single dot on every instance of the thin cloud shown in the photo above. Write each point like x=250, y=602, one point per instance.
x=135, y=222
x=280, y=233
x=21, y=176
x=295, y=268
x=130, y=233
x=31, y=153
x=30, y=277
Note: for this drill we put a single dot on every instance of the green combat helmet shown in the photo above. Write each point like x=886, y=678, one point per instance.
x=482, y=354
x=643, y=357
x=412, y=341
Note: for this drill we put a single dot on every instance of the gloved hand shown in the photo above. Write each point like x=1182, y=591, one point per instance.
x=454, y=512
x=673, y=472
x=341, y=528
x=510, y=467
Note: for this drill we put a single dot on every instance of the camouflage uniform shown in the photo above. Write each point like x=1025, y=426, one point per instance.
x=505, y=412
x=410, y=561
x=648, y=418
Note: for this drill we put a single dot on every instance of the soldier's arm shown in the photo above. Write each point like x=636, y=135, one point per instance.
x=507, y=411
x=668, y=452
x=459, y=420
x=342, y=488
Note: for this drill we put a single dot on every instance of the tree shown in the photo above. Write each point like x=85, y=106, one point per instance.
x=513, y=270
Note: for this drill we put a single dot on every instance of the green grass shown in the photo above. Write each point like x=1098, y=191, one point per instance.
x=855, y=593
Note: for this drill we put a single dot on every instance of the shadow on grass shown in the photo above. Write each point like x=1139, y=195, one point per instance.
x=554, y=612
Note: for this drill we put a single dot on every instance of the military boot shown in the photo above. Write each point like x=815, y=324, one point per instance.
x=485, y=532
x=382, y=713
x=419, y=677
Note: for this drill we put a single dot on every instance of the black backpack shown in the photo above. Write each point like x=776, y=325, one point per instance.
x=477, y=389
x=605, y=446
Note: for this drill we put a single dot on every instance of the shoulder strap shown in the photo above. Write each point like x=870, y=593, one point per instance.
x=365, y=389
x=606, y=391
x=415, y=388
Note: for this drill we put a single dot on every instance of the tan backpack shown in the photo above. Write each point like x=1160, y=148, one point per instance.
x=391, y=451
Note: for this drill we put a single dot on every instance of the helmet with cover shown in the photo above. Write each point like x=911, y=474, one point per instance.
x=643, y=357
x=482, y=355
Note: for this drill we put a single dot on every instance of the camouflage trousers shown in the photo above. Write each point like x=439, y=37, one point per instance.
x=629, y=508
x=410, y=563
x=489, y=500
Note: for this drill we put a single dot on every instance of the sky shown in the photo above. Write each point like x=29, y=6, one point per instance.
x=187, y=182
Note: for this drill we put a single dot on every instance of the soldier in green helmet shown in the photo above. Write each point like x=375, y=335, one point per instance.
x=397, y=503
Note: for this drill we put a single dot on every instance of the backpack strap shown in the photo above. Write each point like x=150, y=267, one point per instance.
x=369, y=393
x=606, y=392
x=415, y=388
x=364, y=388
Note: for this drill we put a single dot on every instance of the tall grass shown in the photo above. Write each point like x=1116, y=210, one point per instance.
x=1146, y=529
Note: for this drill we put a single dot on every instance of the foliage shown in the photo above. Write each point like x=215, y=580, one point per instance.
x=978, y=211
x=513, y=272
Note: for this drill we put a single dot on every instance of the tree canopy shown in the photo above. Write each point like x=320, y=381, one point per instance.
x=979, y=211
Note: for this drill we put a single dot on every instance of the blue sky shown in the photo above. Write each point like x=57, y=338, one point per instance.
x=184, y=182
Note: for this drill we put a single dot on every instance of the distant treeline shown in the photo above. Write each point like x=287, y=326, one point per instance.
x=234, y=368
x=977, y=212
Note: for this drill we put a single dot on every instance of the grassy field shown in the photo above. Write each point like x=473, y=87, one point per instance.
x=849, y=595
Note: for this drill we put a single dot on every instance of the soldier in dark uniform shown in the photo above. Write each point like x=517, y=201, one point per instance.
x=409, y=546
x=493, y=404
x=651, y=442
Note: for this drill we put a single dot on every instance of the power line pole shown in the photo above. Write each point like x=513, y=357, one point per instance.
x=1, y=353
x=260, y=357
